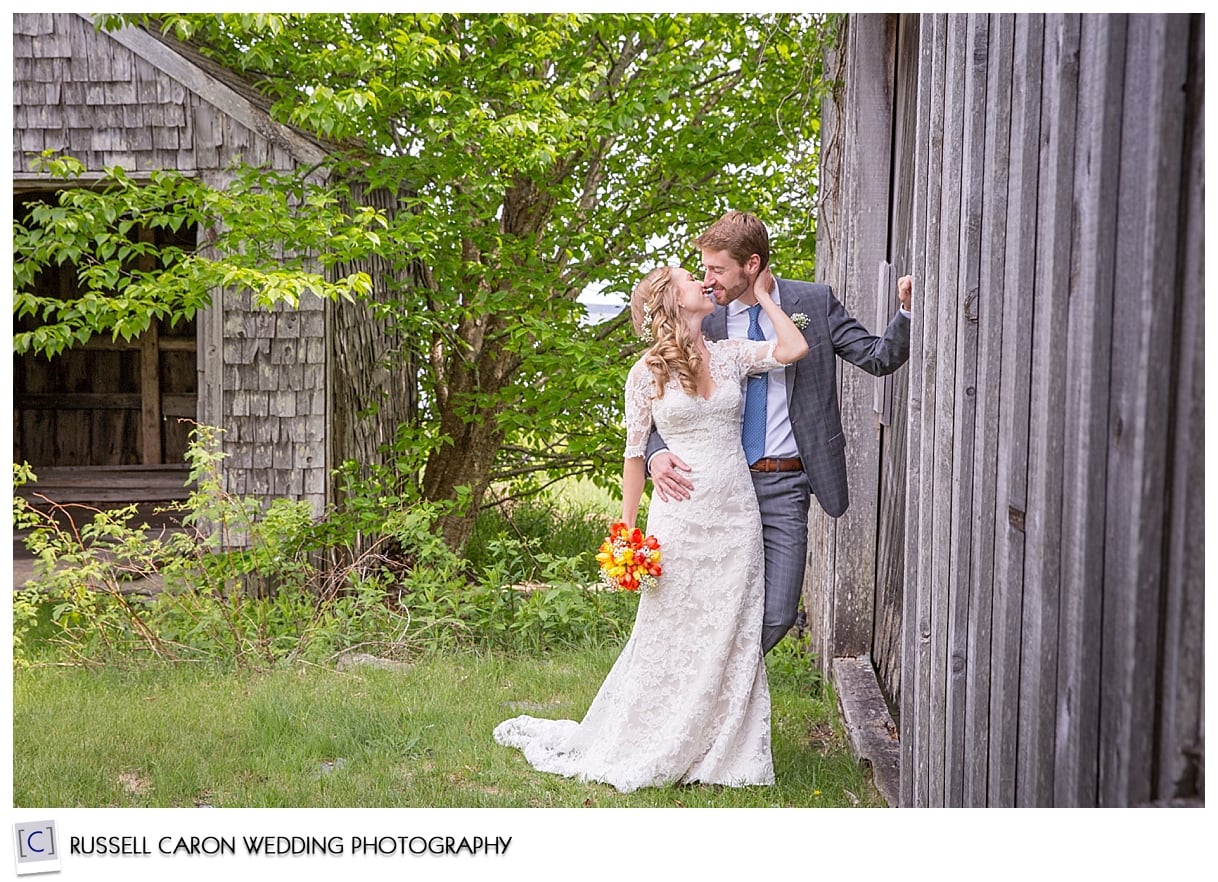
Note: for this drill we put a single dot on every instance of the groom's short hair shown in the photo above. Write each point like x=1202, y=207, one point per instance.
x=740, y=234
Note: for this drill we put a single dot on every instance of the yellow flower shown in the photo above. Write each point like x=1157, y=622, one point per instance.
x=628, y=559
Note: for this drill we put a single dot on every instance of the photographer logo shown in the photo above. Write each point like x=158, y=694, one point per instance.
x=36, y=847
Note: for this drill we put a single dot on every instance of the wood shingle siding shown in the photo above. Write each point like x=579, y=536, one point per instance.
x=134, y=99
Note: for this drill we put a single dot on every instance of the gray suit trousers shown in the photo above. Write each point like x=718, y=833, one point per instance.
x=783, y=498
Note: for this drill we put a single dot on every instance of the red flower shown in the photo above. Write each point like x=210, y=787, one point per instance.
x=628, y=559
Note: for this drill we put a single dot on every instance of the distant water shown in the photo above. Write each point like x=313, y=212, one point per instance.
x=601, y=312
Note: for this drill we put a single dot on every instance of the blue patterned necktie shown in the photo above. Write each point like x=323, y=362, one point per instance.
x=753, y=433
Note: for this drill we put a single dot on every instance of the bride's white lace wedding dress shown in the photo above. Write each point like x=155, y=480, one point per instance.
x=687, y=700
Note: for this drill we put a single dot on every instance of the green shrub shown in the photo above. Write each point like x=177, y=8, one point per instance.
x=261, y=586
x=791, y=665
x=523, y=534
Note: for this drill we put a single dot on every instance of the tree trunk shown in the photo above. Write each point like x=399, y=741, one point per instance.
x=467, y=462
x=482, y=367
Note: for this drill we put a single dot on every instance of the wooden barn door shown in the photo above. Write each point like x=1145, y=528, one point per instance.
x=106, y=403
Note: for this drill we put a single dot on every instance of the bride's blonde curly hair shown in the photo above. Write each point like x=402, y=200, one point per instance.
x=673, y=352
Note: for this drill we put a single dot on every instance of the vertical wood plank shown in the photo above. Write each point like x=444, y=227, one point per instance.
x=973, y=63
x=1148, y=213
x=1089, y=319
x=990, y=298
x=1042, y=562
x=868, y=120
x=845, y=191
x=913, y=784
x=38, y=427
x=928, y=785
x=68, y=433
x=892, y=577
x=1011, y=492
x=150, y=397
x=885, y=636
x=818, y=574
x=209, y=361
x=942, y=579
x=1181, y=754
x=74, y=428
x=107, y=423
x=178, y=378
x=129, y=381
x=150, y=380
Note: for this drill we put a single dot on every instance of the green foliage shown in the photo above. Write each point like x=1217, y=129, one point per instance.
x=532, y=156
x=791, y=665
x=124, y=281
x=523, y=536
x=562, y=607
x=261, y=586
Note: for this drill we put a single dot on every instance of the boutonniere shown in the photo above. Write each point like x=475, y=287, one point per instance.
x=800, y=319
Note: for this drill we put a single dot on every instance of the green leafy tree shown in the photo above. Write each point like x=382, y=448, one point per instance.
x=530, y=157
x=125, y=281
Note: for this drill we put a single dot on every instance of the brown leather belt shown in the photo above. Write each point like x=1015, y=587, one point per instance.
x=794, y=464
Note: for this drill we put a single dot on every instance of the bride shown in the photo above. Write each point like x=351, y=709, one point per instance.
x=687, y=700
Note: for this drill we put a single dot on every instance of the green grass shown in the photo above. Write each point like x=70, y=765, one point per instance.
x=238, y=728
x=177, y=735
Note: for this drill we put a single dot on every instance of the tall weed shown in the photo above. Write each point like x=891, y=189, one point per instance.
x=262, y=586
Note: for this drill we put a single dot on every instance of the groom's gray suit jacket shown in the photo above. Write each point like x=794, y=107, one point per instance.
x=816, y=419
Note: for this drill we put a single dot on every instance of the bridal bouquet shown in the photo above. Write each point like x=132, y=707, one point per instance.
x=628, y=559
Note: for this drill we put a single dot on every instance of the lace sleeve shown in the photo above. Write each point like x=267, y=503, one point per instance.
x=640, y=387
x=752, y=356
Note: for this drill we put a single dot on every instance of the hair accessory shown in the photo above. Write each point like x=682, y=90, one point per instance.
x=645, y=333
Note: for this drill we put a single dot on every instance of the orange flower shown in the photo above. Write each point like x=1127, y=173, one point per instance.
x=628, y=559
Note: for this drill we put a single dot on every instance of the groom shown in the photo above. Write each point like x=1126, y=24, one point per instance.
x=792, y=427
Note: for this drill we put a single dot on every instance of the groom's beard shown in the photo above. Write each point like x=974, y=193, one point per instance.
x=734, y=294
x=724, y=296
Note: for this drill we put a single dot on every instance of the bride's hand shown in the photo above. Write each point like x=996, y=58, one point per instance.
x=764, y=284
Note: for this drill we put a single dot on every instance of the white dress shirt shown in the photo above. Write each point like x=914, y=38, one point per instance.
x=779, y=439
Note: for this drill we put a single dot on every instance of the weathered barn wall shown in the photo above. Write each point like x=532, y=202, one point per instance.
x=852, y=244
x=1052, y=611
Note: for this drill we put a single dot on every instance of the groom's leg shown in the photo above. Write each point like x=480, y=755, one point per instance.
x=783, y=499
